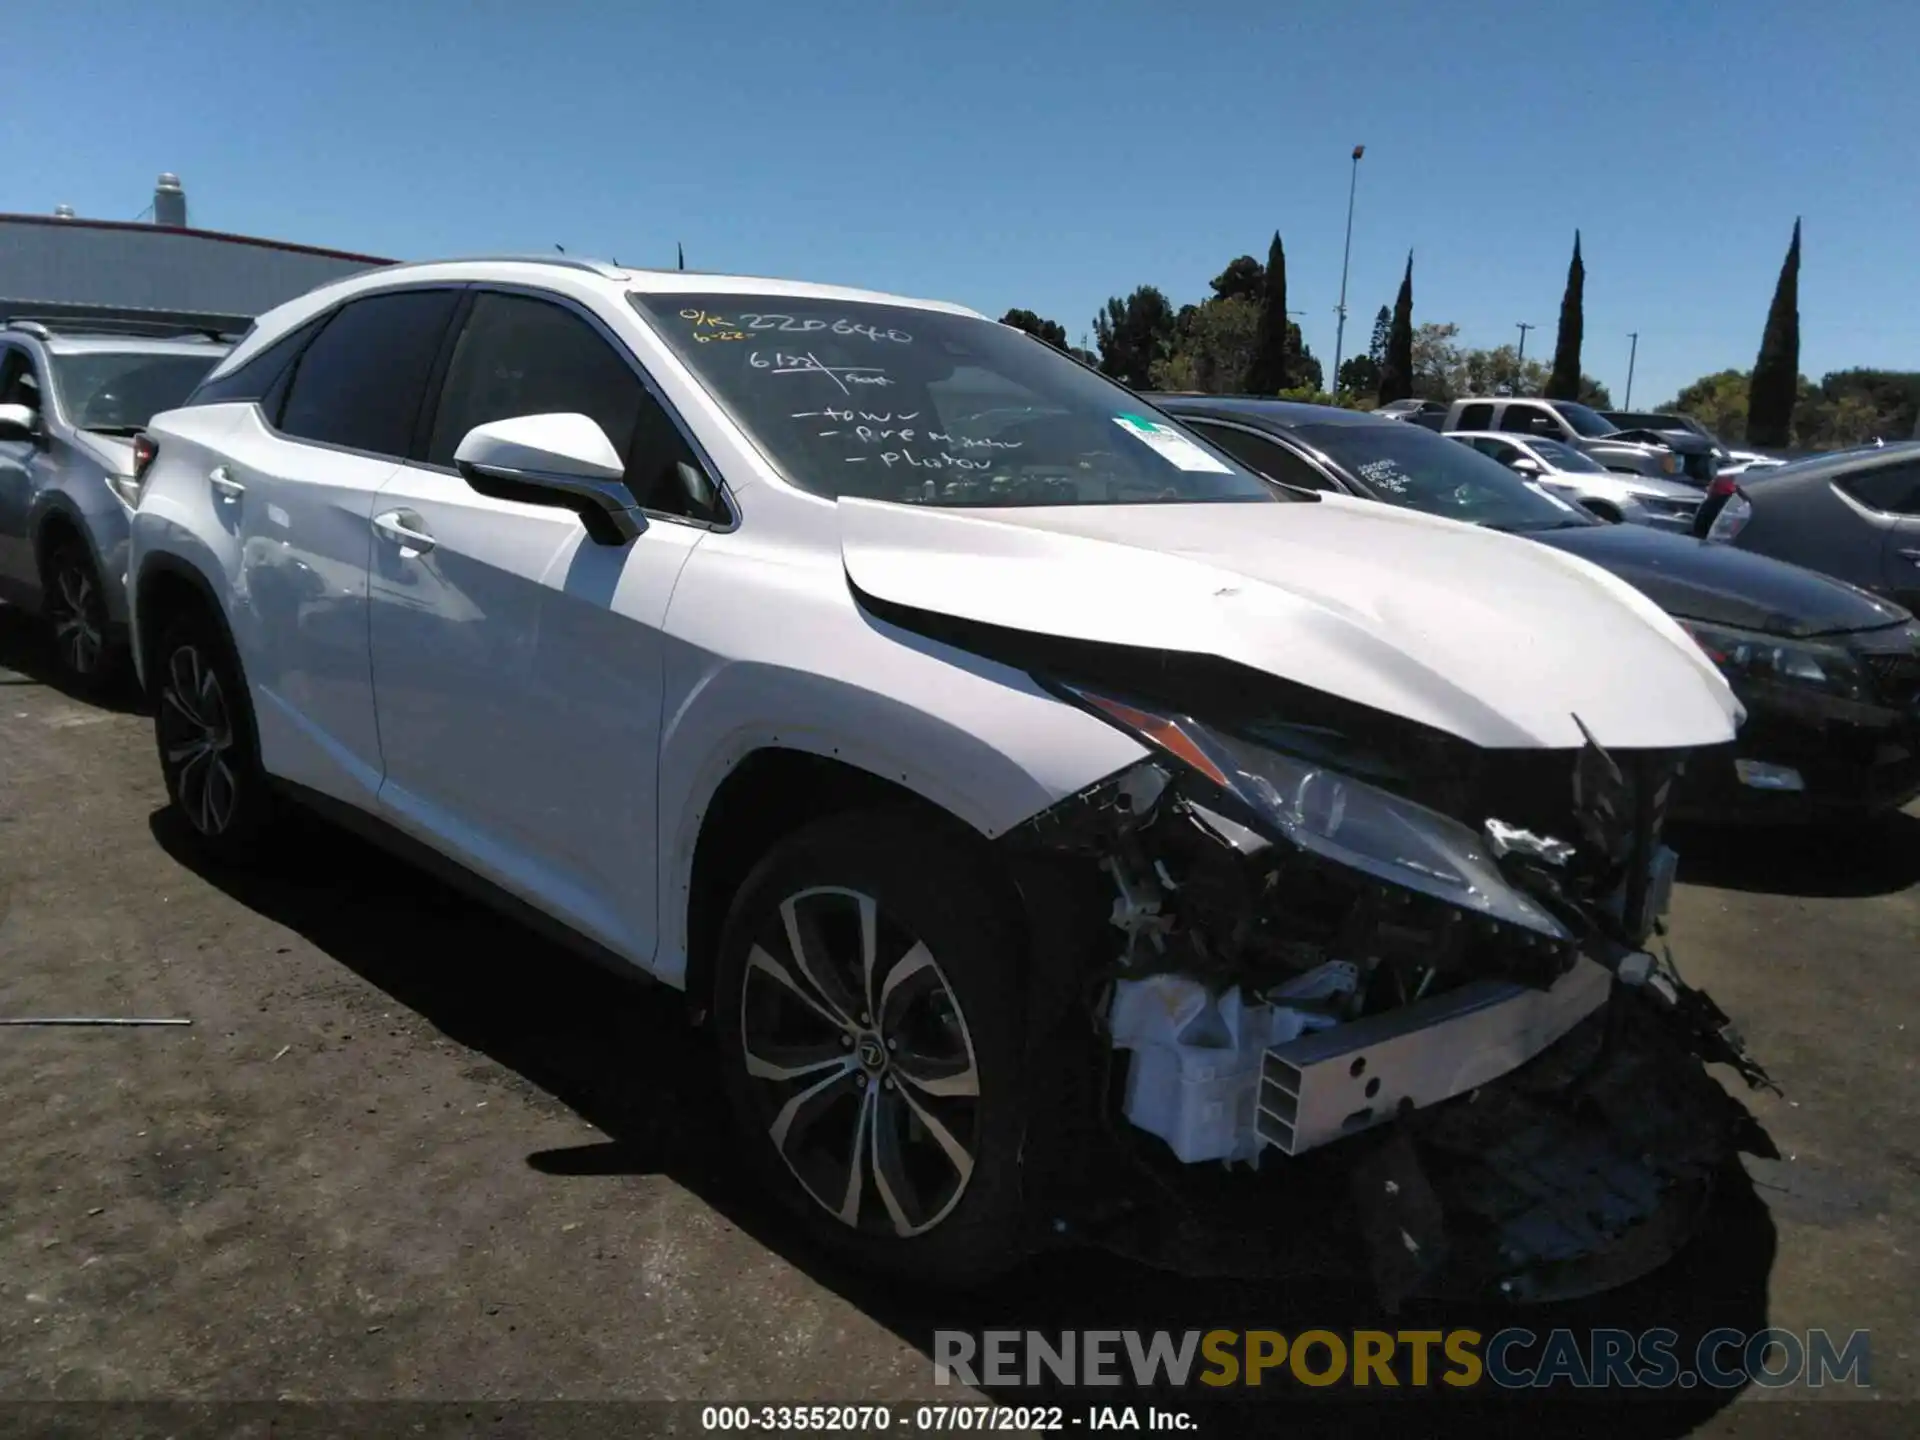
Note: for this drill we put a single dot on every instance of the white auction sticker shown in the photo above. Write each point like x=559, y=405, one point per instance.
x=1172, y=446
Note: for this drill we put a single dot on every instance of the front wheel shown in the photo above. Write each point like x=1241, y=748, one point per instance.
x=867, y=1000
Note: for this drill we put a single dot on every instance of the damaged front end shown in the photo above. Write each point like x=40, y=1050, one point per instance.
x=1409, y=977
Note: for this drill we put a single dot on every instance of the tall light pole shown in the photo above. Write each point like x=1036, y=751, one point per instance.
x=1520, y=360
x=1340, y=330
x=1632, y=353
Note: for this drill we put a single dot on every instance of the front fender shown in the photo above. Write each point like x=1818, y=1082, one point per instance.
x=981, y=740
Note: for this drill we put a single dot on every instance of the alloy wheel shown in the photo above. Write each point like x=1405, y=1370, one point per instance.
x=196, y=738
x=863, y=1069
x=74, y=610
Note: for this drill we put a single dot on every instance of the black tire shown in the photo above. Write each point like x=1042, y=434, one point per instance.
x=204, y=731
x=87, y=659
x=945, y=970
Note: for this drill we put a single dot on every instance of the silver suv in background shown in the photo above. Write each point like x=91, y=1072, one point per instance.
x=73, y=400
x=1677, y=456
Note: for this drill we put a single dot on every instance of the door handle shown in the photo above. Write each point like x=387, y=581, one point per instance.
x=224, y=485
x=405, y=529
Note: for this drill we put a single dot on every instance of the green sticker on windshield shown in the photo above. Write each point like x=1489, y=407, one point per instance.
x=1173, y=447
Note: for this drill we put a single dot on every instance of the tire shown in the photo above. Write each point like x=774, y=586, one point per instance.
x=204, y=731
x=1601, y=510
x=86, y=657
x=936, y=1195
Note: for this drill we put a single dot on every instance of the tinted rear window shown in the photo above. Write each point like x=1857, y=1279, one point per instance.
x=359, y=384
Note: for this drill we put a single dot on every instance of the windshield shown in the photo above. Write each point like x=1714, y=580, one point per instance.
x=118, y=393
x=1404, y=465
x=1566, y=458
x=888, y=402
x=1587, y=423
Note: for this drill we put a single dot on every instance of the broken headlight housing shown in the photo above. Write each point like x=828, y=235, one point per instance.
x=1334, y=815
x=1748, y=655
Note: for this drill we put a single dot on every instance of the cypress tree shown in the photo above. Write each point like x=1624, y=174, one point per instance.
x=1564, y=382
x=1396, y=371
x=1776, y=374
x=1267, y=374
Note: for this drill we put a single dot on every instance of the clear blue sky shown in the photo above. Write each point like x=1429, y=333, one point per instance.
x=1047, y=155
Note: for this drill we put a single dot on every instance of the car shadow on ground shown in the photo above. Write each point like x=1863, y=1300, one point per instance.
x=609, y=1048
x=26, y=658
x=1880, y=856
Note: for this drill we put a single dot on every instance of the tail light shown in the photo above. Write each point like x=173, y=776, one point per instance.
x=128, y=487
x=1731, y=520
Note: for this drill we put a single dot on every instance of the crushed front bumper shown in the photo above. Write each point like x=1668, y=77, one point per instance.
x=1557, y=1180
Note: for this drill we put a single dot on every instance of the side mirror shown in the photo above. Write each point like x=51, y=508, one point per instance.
x=1524, y=466
x=19, y=422
x=561, y=460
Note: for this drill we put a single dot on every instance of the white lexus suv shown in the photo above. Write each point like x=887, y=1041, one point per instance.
x=1028, y=796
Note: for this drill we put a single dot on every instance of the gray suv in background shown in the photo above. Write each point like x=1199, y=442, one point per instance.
x=1679, y=455
x=72, y=401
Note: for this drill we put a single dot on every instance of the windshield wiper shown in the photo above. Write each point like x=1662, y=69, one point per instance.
x=125, y=432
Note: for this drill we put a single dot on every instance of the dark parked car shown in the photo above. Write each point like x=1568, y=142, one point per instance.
x=1665, y=425
x=1829, y=673
x=1854, y=515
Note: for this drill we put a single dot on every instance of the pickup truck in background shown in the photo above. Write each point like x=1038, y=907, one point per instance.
x=1677, y=455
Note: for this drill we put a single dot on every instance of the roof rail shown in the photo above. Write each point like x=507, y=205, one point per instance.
x=606, y=270
x=42, y=319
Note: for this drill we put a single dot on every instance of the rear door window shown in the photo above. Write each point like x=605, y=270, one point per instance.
x=255, y=379
x=1890, y=489
x=1269, y=457
x=1476, y=417
x=359, y=384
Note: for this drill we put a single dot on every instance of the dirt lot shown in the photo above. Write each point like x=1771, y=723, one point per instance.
x=409, y=1150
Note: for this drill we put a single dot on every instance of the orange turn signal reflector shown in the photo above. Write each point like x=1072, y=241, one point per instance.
x=1164, y=733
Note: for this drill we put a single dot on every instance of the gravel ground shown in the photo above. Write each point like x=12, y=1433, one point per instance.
x=409, y=1150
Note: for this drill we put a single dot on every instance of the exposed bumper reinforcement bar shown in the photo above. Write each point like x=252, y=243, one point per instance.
x=1338, y=1082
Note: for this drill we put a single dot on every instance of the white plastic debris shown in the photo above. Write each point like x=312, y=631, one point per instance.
x=1194, y=1078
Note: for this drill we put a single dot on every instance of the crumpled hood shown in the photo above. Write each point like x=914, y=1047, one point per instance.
x=1721, y=585
x=1489, y=637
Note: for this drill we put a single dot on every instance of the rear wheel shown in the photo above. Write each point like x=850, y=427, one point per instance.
x=867, y=1002
x=75, y=606
x=203, y=727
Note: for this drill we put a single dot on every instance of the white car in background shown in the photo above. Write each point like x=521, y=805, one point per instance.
x=1611, y=495
x=960, y=734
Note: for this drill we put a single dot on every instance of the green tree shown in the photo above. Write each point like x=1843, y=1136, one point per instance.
x=1396, y=369
x=1359, y=375
x=1491, y=372
x=1243, y=279
x=1719, y=402
x=1133, y=333
x=1269, y=370
x=1382, y=329
x=1051, y=331
x=1437, y=361
x=1593, y=393
x=1774, y=387
x=1564, y=382
x=1212, y=348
